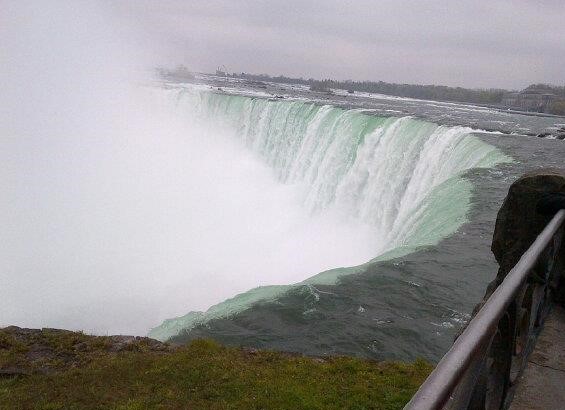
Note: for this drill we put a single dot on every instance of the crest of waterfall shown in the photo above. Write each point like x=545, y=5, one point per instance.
x=383, y=171
x=400, y=175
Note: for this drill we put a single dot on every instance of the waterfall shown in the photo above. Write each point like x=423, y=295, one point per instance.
x=400, y=176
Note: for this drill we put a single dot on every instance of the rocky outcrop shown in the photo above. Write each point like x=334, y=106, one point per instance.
x=27, y=351
x=553, y=132
x=531, y=203
x=519, y=221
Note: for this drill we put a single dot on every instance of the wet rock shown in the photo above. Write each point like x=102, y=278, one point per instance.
x=518, y=224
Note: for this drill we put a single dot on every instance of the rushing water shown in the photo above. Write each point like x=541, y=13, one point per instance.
x=391, y=173
x=277, y=217
x=311, y=223
x=406, y=178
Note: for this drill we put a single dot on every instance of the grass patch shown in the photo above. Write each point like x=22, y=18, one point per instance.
x=201, y=375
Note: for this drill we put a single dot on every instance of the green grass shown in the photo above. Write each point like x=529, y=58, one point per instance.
x=201, y=375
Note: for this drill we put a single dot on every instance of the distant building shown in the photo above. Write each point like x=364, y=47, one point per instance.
x=530, y=99
x=222, y=71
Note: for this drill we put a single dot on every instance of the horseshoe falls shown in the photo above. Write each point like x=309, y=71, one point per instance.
x=401, y=179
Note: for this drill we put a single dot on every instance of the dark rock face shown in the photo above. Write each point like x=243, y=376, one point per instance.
x=524, y=214
x=531, y=203
x=26, y=351
x=518, y=222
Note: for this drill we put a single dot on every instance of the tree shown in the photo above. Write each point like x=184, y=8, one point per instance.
x=557, y=108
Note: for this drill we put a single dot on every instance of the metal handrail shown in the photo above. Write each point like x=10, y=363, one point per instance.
x=441, y=383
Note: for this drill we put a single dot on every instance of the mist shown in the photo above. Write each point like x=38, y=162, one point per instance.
x=117, y=209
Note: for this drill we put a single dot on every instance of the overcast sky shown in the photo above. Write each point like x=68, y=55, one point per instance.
x=479, y=43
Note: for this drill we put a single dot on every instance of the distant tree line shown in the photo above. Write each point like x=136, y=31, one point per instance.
x=559, y=91
x=557, y=107
x=426, y=92
x=491, y=96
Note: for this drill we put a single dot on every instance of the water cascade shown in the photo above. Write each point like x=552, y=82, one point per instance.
x=402, y=177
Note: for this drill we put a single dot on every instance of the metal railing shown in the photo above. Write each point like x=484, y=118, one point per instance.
x=482, y=366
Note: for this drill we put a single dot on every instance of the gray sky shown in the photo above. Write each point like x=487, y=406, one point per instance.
x=479, y=43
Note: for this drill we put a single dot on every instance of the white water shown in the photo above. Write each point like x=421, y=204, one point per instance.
x=115, y=212
x=112, y=233
x=401, y=177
